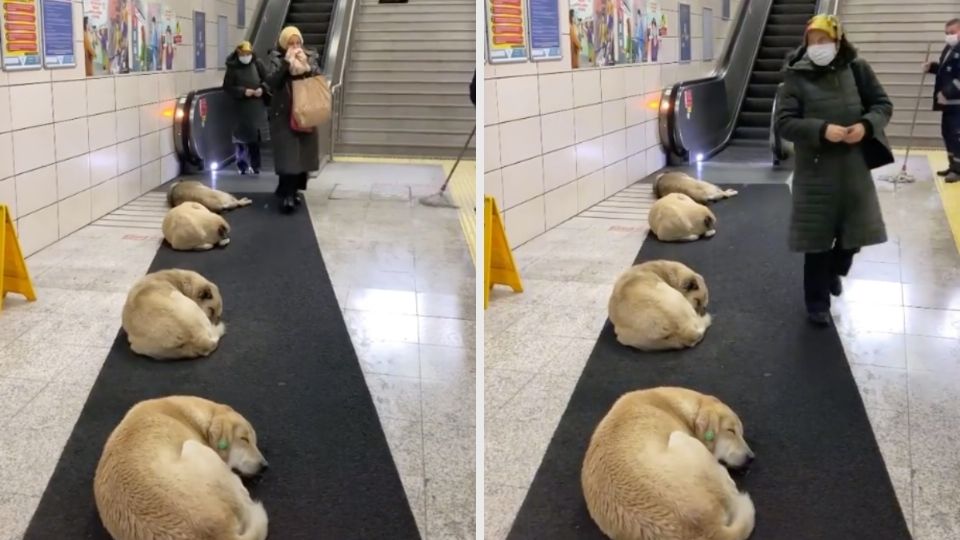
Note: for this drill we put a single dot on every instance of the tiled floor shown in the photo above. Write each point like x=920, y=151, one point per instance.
x=899, y=321
x=402, y=273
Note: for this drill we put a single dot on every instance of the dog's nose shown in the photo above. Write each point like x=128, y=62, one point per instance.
x=750, y=458
x=264, y=465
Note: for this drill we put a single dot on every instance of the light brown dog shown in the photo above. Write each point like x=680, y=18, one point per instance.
x=173, y=314
x=659, y=305
x=191, y=227
x=655, y=469
x=698, y=190
x=678, y=218
x=166, y=473
x=213, y=199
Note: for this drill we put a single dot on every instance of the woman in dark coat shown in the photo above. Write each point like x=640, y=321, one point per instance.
x=245, y=81
x=832, y=106
x=295, y=153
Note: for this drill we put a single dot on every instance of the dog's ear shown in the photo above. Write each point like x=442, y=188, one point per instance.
x=691, y=284
x=707, y=424
x=205, y=293
x=220, y=434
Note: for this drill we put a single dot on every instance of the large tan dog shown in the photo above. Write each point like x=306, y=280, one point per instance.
x=173, y=314
x=678, y=218
x=166, y=473
x=659, y=305
x=655, y=469
x=696, y=189
x=191, y=227
x=213, y=199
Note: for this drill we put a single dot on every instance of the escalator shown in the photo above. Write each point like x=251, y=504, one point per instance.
x=203, y=118
x=694, y=130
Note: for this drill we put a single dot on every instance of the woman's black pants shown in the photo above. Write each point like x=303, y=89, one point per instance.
x=820, y=271
x=289, y=184
x=248, y=155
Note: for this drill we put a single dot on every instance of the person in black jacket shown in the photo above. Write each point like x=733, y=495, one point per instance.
x=947, y=97
x=245, y=82
x=473, y=89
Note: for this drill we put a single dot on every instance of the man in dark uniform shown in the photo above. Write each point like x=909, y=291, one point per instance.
x=947, y=97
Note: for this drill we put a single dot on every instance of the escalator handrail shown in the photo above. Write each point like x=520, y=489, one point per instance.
x=778, y=146
x=717, y=76
x=336, y=91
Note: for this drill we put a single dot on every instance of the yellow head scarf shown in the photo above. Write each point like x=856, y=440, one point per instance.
x=825, y=23
x=245, y=47
x=288, y=33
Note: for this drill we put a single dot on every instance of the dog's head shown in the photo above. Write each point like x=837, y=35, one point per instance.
x=694, y=289
x=234, y=439
x=209, y=299
x=721, y=431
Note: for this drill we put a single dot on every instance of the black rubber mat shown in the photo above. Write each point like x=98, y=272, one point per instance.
x=818, y=474
x=286, y=363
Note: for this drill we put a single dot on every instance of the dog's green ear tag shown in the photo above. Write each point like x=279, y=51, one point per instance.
x=709, y=435
x=223, y=444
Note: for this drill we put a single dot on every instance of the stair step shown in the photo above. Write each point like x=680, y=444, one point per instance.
x=754, y=120
x=774, y=53
x=793, y=2
x=881, y=45
x=412, y=56
x=415, y=46
x=933, y=143
x=399, y=36
x=414, y=27
x=412, y=138
x=461, y=78
x=929, y=28
x=921, y=130
x=794, y=9
x=432, y=87
x=413, y=18
x=418, y=9
x=354, y=97
x=789, y=19
x=411, y=151
x=795, y=30
x=762, y=90
x=316, y=27
x=911, y=60
x=310, y=8
x=408, y=125
x=401, y=110
x=422, y=67
x=752, y=133
x=308, y=18
x=768, y=65
x=751, y=104
x=790, y=42
x=766, y=77
x=946, y=11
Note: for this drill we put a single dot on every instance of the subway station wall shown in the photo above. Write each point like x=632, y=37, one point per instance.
x=559, y=140
x=74, y=148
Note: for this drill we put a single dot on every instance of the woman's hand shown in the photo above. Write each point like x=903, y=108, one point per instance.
x=249, y=92
x=855, y=134
x=835, y=133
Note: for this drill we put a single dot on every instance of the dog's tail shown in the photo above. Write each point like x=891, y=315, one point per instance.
x=730, y=193
x=743, y=518
x=255, y=524
x=170, y=198
x=656, y=185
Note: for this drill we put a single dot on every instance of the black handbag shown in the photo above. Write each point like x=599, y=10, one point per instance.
x=876, y=150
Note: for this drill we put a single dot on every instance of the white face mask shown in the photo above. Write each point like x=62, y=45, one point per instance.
x=245, y=59
x=952, y=39
x=823, y=54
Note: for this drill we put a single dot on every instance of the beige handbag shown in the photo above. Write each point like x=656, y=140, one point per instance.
x=311, y=103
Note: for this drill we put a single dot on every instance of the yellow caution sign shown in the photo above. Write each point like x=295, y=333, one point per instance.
x=13, y=269
x=499, y=267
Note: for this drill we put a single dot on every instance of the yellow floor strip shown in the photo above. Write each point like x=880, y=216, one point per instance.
x=949, y=193
x=462, y=189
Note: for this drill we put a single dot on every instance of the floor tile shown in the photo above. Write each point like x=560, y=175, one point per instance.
x=395, y=397
x=15, y=394
x=15, y=513
x=390, y=358
x=370, y=327
x=450, y=510
x=501, y=503
x=449, y=452
x=882, y=388
x=877, y=349
x=447, y=332
x=447, y=363
x=382, y=301
x=932, y=322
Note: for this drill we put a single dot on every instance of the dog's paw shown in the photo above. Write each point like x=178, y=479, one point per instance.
x=730, y=193
x=691, y=238
x=220, y=329
x=223, y=242
x=244, y=202
x=710, y=233
x=204, y=247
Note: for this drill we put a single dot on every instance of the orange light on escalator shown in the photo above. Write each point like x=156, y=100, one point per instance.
x=655, y=104
x=167, y=113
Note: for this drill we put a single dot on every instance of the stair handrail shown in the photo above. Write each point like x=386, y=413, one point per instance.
x=780, y=148
x=336, y=90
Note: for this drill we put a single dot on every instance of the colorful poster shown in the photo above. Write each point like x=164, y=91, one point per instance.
x=57, y=22
x=544, y=30
x=605, y=33
x=241, y=13
x=146, y=23
x=638, y=35
x=199, y=41
x=106, y=26
x=223, y=40
x=683, y=14
x=582, y=53
x=21, y=34
x=656, y=23
x=506, y=31
x=707, y=34
x=167, y=23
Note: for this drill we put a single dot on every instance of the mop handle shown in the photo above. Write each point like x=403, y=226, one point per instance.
x=916, y=110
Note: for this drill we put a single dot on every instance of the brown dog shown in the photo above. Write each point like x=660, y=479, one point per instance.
x=191, y=227
x=678, y=218
x=655, y=469
x=166, y=473
x=696, y=189
x=213, y=199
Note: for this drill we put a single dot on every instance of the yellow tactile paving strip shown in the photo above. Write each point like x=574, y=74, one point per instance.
x=949, y=193
x=462, y=189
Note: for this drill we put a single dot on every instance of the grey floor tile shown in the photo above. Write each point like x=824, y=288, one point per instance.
x=405, y=438
x=450, y=510
x=383, y=301
x=876, y=349
x=934, y=394
x=439, y=363
x=501, y=504
x=15, y=394
x=371, y=327
x=450, y=306
x=449, y=402
x=932, y=322
x=395, y=397
x=390, y=358
x=449, y=452
x=882, y=388
x=15, y=513
x=939, y=355
x=935, y=495
x=447, y=332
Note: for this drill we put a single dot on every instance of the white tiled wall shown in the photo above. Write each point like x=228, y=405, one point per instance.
x=74, y=148
x=559, y=140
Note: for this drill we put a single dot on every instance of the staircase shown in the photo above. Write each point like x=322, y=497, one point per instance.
x=782, y=34
x=406, y=90
x=893, y=36
x=312, y=17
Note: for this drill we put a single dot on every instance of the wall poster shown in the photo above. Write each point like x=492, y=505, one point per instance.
x=656, y=28
x=683, y=14
x=167, y=24
x=106, y=27
x=544, y=30
x=582, y=53
x=199, y=41
x=707, y=34
x=21, y=34
x=506, y=31
x=223, y=40
x=57, y=23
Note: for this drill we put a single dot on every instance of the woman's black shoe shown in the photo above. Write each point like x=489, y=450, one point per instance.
x=299, y=198
x=820, y=318
x=836, y=287
x=288, y=204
